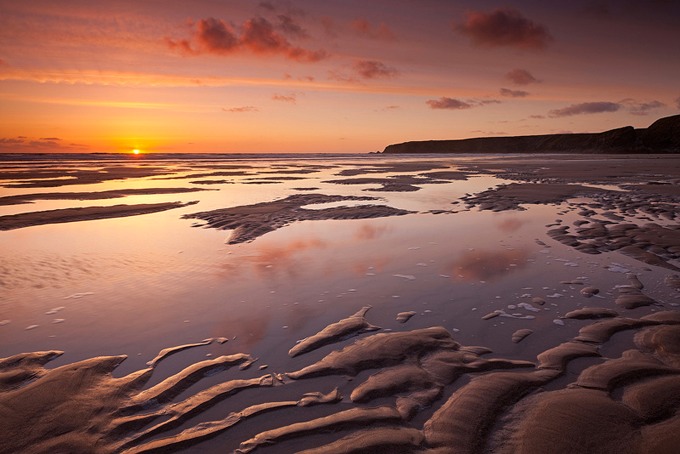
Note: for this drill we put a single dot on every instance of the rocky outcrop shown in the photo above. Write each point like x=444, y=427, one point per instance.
x=663, y=136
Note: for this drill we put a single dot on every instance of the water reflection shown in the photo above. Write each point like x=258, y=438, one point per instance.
x=245, y=329
x=276, y=261
x=510, y=225
x=367, y=232
x=487, y=265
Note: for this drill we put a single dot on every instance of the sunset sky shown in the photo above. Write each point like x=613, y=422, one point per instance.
x=327, y=76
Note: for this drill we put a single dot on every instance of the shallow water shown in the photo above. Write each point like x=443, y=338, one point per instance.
x=139, y=284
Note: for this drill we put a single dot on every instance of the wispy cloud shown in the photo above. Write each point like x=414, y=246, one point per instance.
x=521, y=77
x=269, y=6
x=585, y=108
x=514, y=93
x=458, y=104
x=241, y=109
x=373, y=69
x=291, y=28
x=641, y=108
x=23, y=144
x=448, y=103
x=364, y=70
x=292, y=98
x=504, y=27
x=366, y=29
x=257, y=36
x=633, y=106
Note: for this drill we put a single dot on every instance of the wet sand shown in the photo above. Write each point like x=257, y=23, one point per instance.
x=30, y=198
x=602, y=378
x=251, y=221
x=22, y=220
x=626, y=403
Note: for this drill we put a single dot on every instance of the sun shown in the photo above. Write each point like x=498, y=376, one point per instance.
x=136, y=151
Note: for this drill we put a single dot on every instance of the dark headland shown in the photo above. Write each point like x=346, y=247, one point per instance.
x=662, y=136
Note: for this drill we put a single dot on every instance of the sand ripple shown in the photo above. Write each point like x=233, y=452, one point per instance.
x=468, y=402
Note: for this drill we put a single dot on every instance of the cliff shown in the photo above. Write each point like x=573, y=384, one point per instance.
x=663, y=136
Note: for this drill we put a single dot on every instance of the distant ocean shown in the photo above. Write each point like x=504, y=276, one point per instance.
x=129, y=157
x=9, y=157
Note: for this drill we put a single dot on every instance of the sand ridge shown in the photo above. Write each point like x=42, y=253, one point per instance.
x=498, y=408
x=21, y=220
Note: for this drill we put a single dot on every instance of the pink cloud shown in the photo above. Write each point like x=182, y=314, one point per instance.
x=457, y=104
x=585, y=108
x=514, y=93
x=216, y=36
x=677, y=102
x=448, y=103
x=257, y=35
x=641, y=108
x=373, y=69
x=521, y=77
x=285, y=98
x=241, y=109
x=380, y=31
x=504, y=27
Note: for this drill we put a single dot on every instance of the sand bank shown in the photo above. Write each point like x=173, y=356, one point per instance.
x=251, y=221
x=18, y=221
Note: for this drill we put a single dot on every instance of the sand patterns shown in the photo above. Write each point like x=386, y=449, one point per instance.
x=424, y=392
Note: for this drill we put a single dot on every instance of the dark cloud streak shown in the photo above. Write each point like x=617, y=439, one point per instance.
x=457, y=104
x=285, y=98
x=514, y=93
x=372, y=69
x=521, y=77
x=504, y=27
x=291, y=28
x=241, y=109
x=641, y=108
x=585, y=108
x=257, y=35
x=448, y=103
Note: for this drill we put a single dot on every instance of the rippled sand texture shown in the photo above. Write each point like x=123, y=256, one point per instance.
x=472, y=401
x=647, y=192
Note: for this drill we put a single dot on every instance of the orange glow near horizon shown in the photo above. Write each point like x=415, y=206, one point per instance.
x=322, y=76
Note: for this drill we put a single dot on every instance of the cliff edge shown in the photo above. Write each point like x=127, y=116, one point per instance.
x=663, y=136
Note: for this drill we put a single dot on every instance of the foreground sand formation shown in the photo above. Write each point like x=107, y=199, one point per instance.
x=471, y=401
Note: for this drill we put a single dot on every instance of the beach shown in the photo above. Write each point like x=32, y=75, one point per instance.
x=406, y=303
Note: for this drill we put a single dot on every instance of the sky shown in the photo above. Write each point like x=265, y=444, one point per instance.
x=331, y=76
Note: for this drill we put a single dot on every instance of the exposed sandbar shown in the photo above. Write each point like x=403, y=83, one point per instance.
x=96, y=195
x=18, y=221
x=251, y=221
